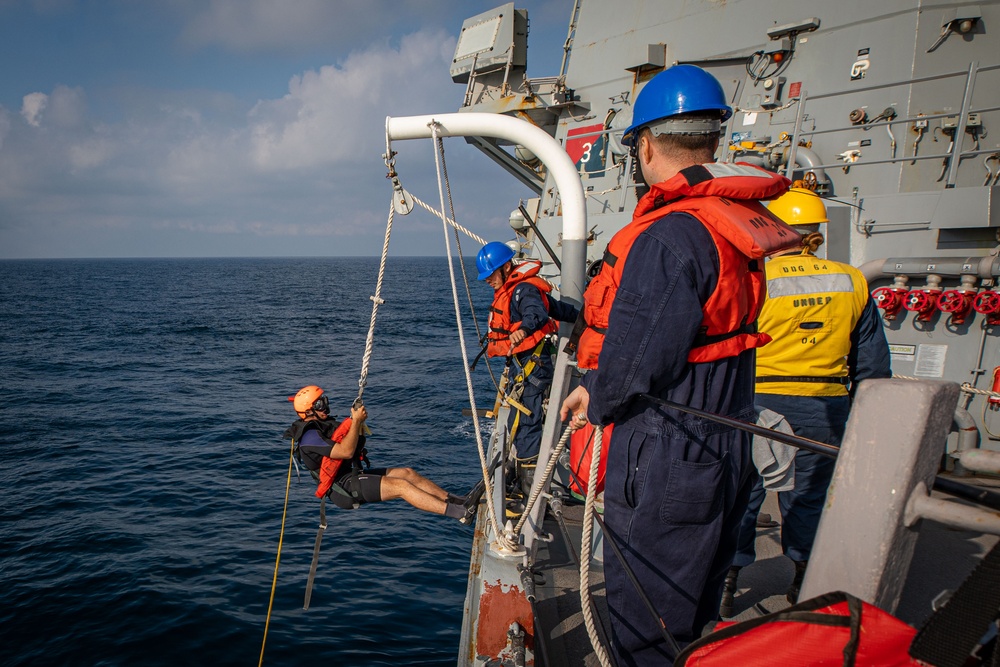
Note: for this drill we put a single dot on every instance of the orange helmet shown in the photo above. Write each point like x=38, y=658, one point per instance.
x=309, y=399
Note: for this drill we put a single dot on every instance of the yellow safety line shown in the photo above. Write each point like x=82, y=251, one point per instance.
x=277, y=560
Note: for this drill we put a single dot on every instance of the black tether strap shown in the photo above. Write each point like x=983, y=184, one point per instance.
x=813, y=446
x=315, y=561
x=983, y=497
x=803, y=378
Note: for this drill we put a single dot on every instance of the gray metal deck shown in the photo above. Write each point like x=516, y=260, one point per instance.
x=943, y=558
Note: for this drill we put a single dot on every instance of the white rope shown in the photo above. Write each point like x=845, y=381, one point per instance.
x=965, y=386
x=539, y=486
x=504, y=540
x=376, y=302
x=588, y=527
x=451, y=222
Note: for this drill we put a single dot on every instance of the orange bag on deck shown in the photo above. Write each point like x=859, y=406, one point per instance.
x=832, y=629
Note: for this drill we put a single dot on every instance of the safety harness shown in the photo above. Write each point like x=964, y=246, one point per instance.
x=517, y=388
x=329, y=430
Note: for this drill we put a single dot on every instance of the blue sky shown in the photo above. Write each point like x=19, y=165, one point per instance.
x=204, y=128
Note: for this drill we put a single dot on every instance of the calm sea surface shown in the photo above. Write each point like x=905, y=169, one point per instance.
x=143, y=472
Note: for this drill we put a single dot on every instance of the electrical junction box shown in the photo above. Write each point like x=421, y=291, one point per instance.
x=491, y=40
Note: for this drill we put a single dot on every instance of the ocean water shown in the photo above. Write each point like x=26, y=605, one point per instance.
x=143, y=472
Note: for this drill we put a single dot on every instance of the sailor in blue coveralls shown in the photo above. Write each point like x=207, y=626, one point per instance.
x=827, y=337
x=677, y=485
x=522, y=316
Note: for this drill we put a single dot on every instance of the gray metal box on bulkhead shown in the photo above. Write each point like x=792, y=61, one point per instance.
x=489, y=40
x=951, y=208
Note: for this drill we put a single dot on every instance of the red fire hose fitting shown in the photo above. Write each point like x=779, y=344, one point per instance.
x=921, y=301
x=957, y=302
x=988, y=303
x=890, y=300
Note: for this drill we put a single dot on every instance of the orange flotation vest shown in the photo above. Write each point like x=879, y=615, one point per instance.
x=498, y=337
x=724, y=198
x=330, y=466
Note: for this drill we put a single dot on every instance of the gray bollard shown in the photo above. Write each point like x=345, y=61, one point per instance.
x=894, y=440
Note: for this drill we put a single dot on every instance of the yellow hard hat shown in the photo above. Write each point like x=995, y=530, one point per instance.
x=799, y=206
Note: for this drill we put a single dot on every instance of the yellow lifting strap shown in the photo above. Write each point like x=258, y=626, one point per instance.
x=525, y=373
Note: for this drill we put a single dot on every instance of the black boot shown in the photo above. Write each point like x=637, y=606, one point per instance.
x=471, y=503
x=792, y=595
x=729, y=592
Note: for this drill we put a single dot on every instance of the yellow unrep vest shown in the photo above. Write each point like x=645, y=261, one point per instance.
x=811, y=309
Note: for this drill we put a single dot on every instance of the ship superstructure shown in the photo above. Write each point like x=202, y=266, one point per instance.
x=889, y=110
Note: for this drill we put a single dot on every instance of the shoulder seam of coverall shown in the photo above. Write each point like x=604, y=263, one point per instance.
x=661, y=307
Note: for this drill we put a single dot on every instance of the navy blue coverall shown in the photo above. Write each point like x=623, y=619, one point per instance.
x=677, y=485
x=821, y=418
x=526, y=306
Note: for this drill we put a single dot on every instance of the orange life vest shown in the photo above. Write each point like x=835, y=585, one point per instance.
x=724, y=198
x=498, y=337
x=330, y=466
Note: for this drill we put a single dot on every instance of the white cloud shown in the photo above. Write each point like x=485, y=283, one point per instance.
x=65, y=107
x=254, y=26
x=337, y=113
x=32, y=106
x=303, y=170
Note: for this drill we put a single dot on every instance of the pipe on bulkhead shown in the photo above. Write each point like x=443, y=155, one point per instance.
x=805, y=159
x=968, y=443
x=982, y=267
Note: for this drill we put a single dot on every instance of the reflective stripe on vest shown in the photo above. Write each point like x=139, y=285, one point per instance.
x=806, y=285
x=724, y=200
x=812, y=308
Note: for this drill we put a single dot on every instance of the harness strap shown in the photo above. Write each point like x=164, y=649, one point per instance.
x=529, y=367
x=316, y=546
x=574, y=336
x=702, y=339
x=805, y=378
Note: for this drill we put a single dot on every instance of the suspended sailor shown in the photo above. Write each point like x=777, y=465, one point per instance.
x=826, y=336
x=522, y=316
x=335, y=453
x=672, y=313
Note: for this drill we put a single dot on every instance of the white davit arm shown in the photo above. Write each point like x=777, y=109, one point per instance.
x=519, y=132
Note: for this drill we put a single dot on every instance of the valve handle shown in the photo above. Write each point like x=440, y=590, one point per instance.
x=885, y=298
x=951, y=301
x=987, y=303
x=917, y=300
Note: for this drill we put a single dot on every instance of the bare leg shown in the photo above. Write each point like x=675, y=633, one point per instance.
x=393, y=487
x=416, y=479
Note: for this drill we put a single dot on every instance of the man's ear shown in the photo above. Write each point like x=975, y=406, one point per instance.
x=645, y=148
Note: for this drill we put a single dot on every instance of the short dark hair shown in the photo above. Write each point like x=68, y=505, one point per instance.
x=691, y=143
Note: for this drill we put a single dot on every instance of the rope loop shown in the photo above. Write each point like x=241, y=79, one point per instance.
x=585, y=545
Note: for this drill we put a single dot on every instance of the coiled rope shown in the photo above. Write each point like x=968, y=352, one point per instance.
x=585, y=544
x=508, y=542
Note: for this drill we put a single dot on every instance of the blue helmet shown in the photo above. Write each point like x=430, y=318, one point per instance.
x=679, y=89
x=491, y=257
